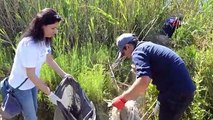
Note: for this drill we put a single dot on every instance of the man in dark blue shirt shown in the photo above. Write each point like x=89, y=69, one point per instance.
x=170, y=25
x=167, y=71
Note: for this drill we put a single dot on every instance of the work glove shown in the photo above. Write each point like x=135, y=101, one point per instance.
x=157, y=108
x=118, y=102
x=67, y=75
x=53, y=98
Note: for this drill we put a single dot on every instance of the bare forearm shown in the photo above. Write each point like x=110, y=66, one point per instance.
x=55, y=66
x=137, y=88
x=39, y=84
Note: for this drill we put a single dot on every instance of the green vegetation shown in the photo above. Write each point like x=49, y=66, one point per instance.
x=85, y=44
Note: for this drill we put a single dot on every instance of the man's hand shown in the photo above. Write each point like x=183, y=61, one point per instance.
x=118, y=102
x=53, y=98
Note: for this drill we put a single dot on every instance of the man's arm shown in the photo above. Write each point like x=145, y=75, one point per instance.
x=137, y=88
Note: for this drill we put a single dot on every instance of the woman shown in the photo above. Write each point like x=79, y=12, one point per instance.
x=32, y=51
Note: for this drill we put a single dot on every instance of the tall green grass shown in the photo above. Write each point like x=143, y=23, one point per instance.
x=86, y=64
x=86, y=41
x=6, y=63
x=200, y=61
x=204, y=85
x=195, y=41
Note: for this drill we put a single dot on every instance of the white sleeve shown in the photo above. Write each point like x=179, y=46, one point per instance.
x=28, y=53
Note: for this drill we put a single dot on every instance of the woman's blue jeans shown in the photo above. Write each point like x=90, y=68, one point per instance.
x=28, y=101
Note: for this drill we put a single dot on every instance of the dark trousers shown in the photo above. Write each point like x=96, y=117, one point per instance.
x=172, y=107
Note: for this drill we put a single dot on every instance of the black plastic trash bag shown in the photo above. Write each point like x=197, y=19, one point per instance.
x=75, y=104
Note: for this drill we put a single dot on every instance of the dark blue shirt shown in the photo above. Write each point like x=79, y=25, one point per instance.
x=166, y=69
x=170, y=25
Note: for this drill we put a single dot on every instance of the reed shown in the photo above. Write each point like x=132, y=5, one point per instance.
x=86, y=41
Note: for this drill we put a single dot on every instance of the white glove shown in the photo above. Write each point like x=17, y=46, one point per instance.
x=67, y=75
x=157, y=108
x=53, y=98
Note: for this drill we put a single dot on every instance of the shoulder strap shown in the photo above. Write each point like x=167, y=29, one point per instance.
x=21, y=83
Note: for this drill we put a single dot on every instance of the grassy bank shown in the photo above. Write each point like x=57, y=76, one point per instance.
x=85, y=43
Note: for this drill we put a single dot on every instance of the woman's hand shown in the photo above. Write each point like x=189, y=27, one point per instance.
x=67, y=75
x=54, y=98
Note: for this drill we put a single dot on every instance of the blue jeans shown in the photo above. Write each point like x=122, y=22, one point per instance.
x=28, y=101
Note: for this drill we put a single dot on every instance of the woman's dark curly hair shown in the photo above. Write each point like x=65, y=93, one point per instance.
x=46, y=16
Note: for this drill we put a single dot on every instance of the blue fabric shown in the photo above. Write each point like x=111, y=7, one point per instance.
x=28, y=101
x=168, y=28
x=123, y=39
x=10, y=105
x=4, y=87
x=164, y=66
x=173, y=107
x=169, y=74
